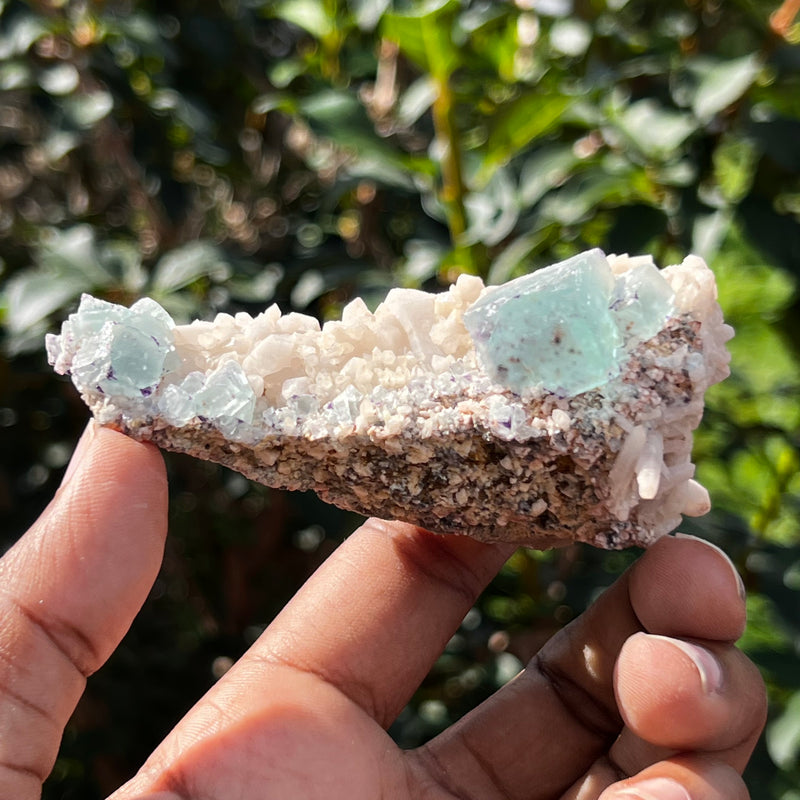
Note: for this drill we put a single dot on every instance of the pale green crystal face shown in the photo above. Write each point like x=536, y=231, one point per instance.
x=126, y=352
x=564, y=328
x=123, y=351
x=641, y=301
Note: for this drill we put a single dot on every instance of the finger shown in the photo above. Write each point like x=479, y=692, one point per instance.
x=353, y=644
x=69, y=590
x=680, y=696
x=369, y=623
x=379, y=612
x=688, y=777
x=687, y=695
x=566, y=694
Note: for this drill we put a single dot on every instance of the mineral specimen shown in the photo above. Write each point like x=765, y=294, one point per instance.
x=557, y=407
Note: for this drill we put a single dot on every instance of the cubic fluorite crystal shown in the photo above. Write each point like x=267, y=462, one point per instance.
x=563, y=328
x=556, y=407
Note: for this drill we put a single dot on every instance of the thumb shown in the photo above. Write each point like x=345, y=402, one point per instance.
x=69, y=590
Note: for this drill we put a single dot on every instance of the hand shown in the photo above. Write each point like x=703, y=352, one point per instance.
x=611, y=707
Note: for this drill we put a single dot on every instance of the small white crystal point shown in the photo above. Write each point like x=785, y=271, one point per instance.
x=648, y=466
x=697, y=500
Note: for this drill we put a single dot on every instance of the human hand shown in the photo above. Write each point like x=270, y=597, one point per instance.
x=609, y=708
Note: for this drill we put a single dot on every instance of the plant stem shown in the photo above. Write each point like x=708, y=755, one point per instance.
x=453, y=191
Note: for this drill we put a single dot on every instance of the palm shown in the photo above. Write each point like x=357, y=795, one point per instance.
x=303, y=714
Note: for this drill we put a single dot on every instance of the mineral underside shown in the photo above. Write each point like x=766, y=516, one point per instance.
x=554, y=408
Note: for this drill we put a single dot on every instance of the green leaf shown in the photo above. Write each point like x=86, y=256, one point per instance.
x=422, y=260
x=766, y=373
x=123, y=260
x=492, y=212
x=31, y=296
x=20, y=34
x=735, y=161
x=515, y=259
x=748, y=287
x=339, y=116
x=392, y=171
x=424, y=35
x=331, y=106
x=368, y=13
x=72, y=252
x=15, y=75
x=58, y=144
x=61, y=79
x=310, y=15
x=416, y=100
x=783, y=735
x=86, y=110
x=722, y=83
x=656, y=131
x=544, y=170
x=274, y=101
x=521, y=122
x=765, y=630
x=186, y=264
x=586, y=192
x=283, y=72
x=258, y=288
x=709, y=231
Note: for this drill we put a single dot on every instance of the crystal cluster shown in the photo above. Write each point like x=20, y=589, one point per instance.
x=557, y=406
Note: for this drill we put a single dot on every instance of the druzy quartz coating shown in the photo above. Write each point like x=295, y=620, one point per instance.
x=564, y=327
x=557, y=407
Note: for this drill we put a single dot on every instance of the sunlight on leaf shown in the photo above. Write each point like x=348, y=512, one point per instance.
x=186, y=264
x=310, y=15
x=88, y=109
x=783, y=735
x=423, y=35
x=30, y=297
x=529, y=117
x=722, y=83
x=656, y=131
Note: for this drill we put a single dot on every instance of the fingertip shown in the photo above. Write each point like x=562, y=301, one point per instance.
x=737, y=578
x=682, y=777
x=685, y=586
x=688, y=695
x=665, y=690
x=106, y=461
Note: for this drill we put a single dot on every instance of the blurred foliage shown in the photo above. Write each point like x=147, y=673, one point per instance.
x=224, y=155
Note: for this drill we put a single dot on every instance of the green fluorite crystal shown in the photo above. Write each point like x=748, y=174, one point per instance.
x=567, y=328
x=124, y=351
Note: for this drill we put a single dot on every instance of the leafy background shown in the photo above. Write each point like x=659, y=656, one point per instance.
x=227, y=155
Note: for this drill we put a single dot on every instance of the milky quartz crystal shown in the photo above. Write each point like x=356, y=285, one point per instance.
x=557, y=407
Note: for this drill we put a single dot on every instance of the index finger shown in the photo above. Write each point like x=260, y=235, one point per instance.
x=378, y=613
x=69, y=590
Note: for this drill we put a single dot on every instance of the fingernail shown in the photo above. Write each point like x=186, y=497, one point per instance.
x=654, y=789
x=737, y=577
x=83, y=447
x=705, y=662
